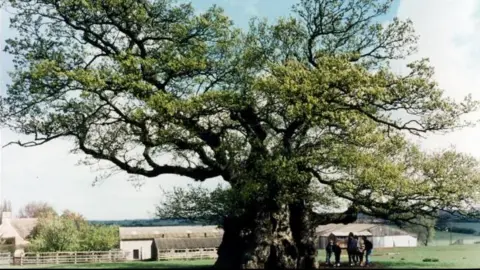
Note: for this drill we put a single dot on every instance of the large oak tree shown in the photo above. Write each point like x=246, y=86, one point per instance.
x=288, y=114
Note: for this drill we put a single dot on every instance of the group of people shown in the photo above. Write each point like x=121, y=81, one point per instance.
x=357, y=249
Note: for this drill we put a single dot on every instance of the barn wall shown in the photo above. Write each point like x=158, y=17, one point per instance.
x=154, y=251
x=144, y=247
x=386, y=230
x=394, y=241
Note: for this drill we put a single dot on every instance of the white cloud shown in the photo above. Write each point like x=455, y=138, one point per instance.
x=441, y=24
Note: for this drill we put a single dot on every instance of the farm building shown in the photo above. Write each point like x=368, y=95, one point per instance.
x=185, y=248
x=381, y=235
x=15, y=231
x=139, y=242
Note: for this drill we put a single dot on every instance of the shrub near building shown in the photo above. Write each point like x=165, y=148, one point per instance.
x=71, y=232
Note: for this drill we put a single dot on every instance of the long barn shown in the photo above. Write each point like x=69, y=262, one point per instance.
x=139, y=242
x=381, y=235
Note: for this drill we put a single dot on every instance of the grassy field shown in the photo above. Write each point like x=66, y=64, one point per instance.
x=145, y=265
x=443, y=238
x=461, y=256
x=194, y=264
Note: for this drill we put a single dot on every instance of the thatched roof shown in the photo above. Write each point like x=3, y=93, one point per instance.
x=136, y=233
x=24, y=226
x=17, y=228
x=187, y=243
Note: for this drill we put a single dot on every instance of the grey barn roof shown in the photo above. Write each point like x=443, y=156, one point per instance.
x=358, y=228
x=187, y=243
x=131, y=233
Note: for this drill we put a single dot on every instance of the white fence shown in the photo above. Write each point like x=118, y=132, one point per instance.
x=187, y=254
x=49, y=258
x=5, y=259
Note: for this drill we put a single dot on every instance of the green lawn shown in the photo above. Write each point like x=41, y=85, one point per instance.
x=443, y=238
x=146, y=265
x=461, y=256
x=133, y=265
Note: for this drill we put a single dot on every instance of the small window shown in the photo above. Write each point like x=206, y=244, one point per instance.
x=205, y=234
x=9, y=241
x=188, y=235
x=163, y=235
x=180, y=251
x=136, y=254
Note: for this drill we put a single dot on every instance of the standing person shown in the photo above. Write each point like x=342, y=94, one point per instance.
x=351, y=249
x=360, y=250
x=368, y=250
x=329, y=251
x=337, y=250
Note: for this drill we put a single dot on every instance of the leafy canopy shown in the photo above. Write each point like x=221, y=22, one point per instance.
x=71, y=232
x=308, y=98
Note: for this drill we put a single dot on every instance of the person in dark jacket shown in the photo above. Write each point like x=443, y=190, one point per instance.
x=368, y=249
x=337, y=250
x=352, y=249
x=329, y=251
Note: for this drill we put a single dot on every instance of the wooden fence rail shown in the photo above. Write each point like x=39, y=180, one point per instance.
x=5, y=259
x=187, y=254
x=49, y=258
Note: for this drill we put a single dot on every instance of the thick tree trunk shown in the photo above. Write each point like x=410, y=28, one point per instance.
x=232, y=248
x=272, y=244
x=280, y=239
x=304, y=234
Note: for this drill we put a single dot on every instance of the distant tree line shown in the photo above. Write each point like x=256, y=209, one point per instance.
x=142, y=222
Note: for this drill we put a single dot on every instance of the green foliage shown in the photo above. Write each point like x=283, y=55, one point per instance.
x=423, y=228
x=37, y=210
x=198, y=204
x=273, y=111
x=207, y=206
x=462, y=230
x=98, y=237
x=55, y=234
x=64, y=233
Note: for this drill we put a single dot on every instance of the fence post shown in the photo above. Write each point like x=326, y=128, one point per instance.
x=75, y=258
x=110, y=259
x=56, y=257
x=37, y=259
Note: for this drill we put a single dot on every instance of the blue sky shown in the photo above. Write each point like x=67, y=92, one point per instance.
x=450, y=37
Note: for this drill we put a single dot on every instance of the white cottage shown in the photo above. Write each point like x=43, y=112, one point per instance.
x=16, y=231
